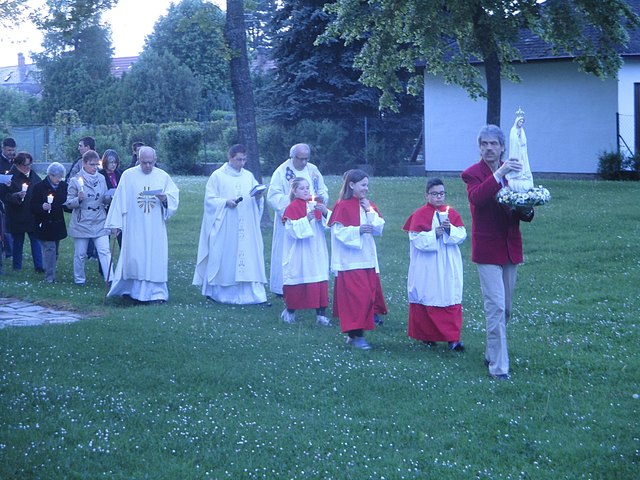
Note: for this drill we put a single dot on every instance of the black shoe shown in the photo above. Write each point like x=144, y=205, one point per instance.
x=456, y=346
x=378, y=320
x=429, y=344
x=39, y=270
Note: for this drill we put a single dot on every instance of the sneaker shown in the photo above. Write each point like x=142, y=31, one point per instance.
x=322, y=320
x=456, y=346
x=288, y=317
x=501, y=376
x=378, y=320
x=358, y=342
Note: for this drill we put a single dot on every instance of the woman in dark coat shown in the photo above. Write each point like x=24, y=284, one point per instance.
x=111, y=168
x=20, y=219
x=47, y=200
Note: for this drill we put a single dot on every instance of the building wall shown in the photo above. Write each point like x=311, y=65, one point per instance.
x=628, y=76
x=570, y=119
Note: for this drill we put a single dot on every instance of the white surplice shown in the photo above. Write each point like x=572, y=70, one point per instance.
x=141, y=271
x=435, y=269
x=351, y=250
x=278, y=198
x=305, y=256
x=230, y=263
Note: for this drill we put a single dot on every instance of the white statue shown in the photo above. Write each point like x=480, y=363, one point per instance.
x=521, y=181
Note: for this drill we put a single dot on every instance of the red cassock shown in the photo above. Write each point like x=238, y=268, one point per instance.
x=357, y=292
x=431, y=323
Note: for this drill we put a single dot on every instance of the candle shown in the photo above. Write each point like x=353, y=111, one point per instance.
x=24, y=187
x=312, y=204
x=370, y=216
x=444, y=215
x=81, y=183
x=49, y=201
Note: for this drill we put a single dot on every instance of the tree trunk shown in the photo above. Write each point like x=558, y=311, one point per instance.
x=241, y=84
x=492, y=70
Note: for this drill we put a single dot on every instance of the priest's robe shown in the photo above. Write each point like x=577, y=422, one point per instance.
x=142, y=267
x=230, y=262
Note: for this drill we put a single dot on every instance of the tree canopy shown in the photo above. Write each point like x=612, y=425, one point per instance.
x=193, y=32
x=450, y=36
x=76, y=61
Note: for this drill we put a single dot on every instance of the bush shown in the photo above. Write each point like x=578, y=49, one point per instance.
x=179, y=147
x=615, y=166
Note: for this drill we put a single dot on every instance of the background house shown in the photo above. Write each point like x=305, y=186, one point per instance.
x=571, y=116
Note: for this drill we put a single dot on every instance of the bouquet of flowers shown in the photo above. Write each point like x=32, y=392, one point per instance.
x=531, y=198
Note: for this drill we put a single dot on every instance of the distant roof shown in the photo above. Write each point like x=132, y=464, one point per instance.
x=122, y=65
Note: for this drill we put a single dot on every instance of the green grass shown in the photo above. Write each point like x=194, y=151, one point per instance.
x=193, y=389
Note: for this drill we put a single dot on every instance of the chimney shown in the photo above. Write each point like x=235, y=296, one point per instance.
x=22, y=68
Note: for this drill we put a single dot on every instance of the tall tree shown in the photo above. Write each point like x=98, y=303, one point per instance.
x=193, y=32
x=76, y=61
x=313, y=81
x=451, y=35
x=235, y=34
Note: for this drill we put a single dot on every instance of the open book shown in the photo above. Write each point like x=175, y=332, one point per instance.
x=258, y=189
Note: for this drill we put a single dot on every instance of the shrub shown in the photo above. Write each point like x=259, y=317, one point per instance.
x=615, y=166
x=609, y=165
x=179, y=147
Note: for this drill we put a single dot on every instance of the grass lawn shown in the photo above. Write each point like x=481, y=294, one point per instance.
x=193, y=389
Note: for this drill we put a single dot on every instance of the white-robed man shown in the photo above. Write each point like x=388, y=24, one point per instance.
x=230, y=264
x=297, y=165
x=145, y=199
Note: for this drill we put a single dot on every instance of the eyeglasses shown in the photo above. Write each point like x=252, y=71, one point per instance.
x=93, y=164
x=437, y=194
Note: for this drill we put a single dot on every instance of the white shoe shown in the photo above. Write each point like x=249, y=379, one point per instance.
x=322, y=320
x=288, y=317
x=358, y=342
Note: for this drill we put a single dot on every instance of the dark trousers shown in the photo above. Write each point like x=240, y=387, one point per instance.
x=18, y=246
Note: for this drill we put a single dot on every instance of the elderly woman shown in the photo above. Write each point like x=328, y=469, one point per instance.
x=20, y=220
x=111, y=168
x=87, y=199
x=47, y=200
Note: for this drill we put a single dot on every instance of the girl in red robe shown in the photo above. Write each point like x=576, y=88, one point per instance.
x=357, y=298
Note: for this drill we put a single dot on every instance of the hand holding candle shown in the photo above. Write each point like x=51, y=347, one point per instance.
x=25, y=186
x=49, y=201
x=370, y=216
x=80, y=184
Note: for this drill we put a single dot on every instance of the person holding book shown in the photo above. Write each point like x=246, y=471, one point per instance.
x=305, y=259
x=230, y=261
x=435, y=278
x=145, y=199
x=357, y=296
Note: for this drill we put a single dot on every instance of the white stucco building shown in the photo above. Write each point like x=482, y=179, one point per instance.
x=571, y=116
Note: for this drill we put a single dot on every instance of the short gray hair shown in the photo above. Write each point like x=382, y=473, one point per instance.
x=492, y=131
x=294, y=150
x=56, y=169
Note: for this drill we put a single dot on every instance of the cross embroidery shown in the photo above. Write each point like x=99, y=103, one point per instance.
x=146, y=202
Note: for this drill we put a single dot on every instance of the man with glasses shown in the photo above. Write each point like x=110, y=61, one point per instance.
x=20, y=219
x=145, y=199
x=496, y=243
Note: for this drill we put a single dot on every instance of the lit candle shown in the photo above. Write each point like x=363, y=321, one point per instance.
x=81, y=183
x=444, y=215
x=312, y=203
x=24, y=187
x=370, y=216
x=49, y=201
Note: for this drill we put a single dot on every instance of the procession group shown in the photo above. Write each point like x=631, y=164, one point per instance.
x=133, y=207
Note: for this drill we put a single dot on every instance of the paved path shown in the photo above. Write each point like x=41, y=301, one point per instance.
x=16, y=313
